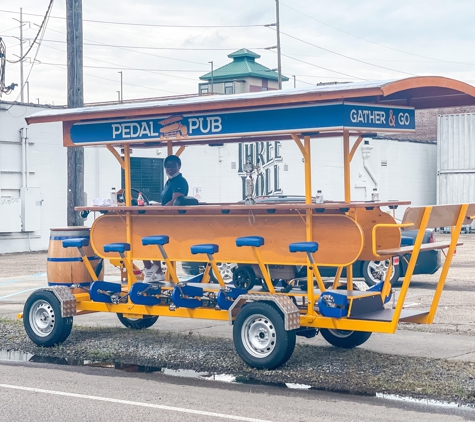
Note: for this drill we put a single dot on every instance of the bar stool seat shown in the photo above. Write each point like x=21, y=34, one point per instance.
x=155, y=240
x=255, y=241
x=207, y=248
x=120, y=247
x=303, y=247
x=76, y=243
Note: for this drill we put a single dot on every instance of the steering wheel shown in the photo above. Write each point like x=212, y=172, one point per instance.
x=121, y=196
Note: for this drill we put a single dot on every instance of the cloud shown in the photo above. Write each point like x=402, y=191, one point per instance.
x=365, y=39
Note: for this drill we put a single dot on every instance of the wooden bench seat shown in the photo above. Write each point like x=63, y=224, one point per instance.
x=403, y=250
x=438, y=216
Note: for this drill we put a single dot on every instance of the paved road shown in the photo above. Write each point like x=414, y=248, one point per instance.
x=35, y=392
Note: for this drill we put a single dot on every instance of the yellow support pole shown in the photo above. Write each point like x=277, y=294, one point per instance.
x=309, y=226
x=128, y=218
x=336, y=280
x=180, y=150
x=410, y=267
x=263, y=268
x=89, y=268
x=455, y=233
x=346, y=164
x=217, y=273
x=349, y=277
x=169, y=147
x=355, y=147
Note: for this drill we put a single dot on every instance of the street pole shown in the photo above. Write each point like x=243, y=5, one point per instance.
x=75, y=99
x=121, y=99
x=212, y=77
x=279, y=64
x=21, y=56
x=22, y=96
x=295, y=81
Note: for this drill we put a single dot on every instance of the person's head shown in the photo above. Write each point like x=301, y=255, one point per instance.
x=172, y=165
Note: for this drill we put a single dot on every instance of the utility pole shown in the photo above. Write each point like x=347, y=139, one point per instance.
x=22, y=97
x=22, y=83
x=121, y=99
x=279, y=64
x=75, y=99
x=212, y=77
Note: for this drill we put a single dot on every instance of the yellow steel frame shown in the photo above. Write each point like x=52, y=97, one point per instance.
x=310, y=318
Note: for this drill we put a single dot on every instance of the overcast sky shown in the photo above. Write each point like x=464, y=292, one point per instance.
x=163, y=46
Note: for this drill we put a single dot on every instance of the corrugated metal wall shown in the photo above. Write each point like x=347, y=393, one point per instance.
x=456, y=158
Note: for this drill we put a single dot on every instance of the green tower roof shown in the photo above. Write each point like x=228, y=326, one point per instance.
x=243, y=65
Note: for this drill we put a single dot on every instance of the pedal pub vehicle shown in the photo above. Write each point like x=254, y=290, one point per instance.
x=265, y=318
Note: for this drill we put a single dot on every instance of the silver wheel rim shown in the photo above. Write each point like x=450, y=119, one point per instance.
x=341, y=333
x=377, y=270
x=226, y=270
x=42, y=318
x=258, y=336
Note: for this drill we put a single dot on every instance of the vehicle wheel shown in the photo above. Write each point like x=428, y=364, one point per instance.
x=244, y=278
x=344, y=338
x=227, y=271
x=42, y=319
x=374, y=272
x=260, y=338
x=137, y=323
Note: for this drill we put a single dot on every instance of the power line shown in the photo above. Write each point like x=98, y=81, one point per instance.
x=369, y=41
x=37, y=35
x=149, y=24
x=346, y=57
x=321, y=67
x=129, y=68
x=138, y=52
x=125, y=67
x=154, y=48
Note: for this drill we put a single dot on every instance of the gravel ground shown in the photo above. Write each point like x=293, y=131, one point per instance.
x=355, y=371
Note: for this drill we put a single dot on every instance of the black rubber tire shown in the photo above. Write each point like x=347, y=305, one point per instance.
x=139, y=323
x=345, y=339
x=370, y=278
x=42, y=319
x=265, y=319
x=244, y=278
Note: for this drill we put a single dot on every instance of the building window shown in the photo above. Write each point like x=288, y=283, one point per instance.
x=146, y=176
x=228, y=88
x=203, y=90
x=264, y=88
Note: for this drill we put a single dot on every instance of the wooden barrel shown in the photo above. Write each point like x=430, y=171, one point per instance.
x=64, y=265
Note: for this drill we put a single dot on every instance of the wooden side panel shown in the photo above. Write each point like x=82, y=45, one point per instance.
x=441, y=215
x=470, y=214
x=339, y=237
x=387, y=238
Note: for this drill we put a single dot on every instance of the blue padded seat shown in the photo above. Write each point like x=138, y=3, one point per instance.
x=117, y=247
x=407, y=241
x=208, y=248
x=155, y=240
x=256, y=241
x=76, y=243
x=303, y=247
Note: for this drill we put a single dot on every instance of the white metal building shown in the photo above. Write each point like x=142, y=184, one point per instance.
x=33, y=174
